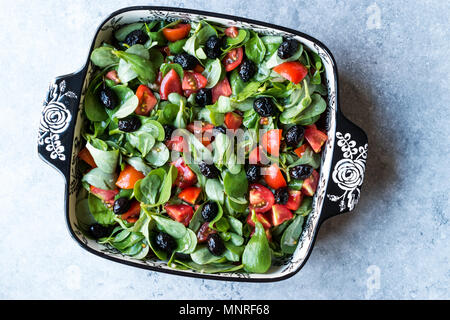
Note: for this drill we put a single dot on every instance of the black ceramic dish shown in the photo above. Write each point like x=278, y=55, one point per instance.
x=343, y=160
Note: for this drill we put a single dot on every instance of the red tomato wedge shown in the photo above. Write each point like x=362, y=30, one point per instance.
x=294, y=200
x=203, y=133
x=186, y=177
x=262, y=217
x=112, y=75
x=261, y=198
x=280, y=214
x=105, y=195
x=204, y=232
x=223, y=88
x=170, y=83
x=233, y=120
x=86, y=156
x=190, y=195
x=293, y=71
x=300, y=150
x=128, y=178
x=233, y=59
x=135, y=210
x=315, y=138
x=147, y=100
x=193, y=81
x=257, y=156
x=180, y=212
x=178, y=32
x=310, y=185
x=176, y=144
x=271, y=141
x=274, y=178
x=232, y=32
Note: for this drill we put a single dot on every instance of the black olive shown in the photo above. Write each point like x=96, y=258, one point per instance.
x=294, y=135
x=168, y=130
x=186, y=61
x=215, y=244
x=209, y=211
x=121, y=206
x=136, y=37
x=253, y=173
x=288, y=48
x=108, y=98
x=220, y=129
x=98, y=231
x=282, y=195
x=209, y=170
x=165, y=242
x=129, y=124
x=264, y=106
x=301, y=172
x=204, y=97
x=247, y=70
x=213, y=47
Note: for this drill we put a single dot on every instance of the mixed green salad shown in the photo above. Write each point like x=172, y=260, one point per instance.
x=202, y=145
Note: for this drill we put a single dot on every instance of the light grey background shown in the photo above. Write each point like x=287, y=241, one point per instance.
x=394, y=83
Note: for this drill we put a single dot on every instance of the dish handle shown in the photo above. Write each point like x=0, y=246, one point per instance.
x=57, y=122
x=347, y=169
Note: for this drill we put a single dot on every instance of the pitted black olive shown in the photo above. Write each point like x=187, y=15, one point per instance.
x=165, y=242
x=301, y=172
x=220, y=129
x=121, y=206
x=264, y=106
x=168, y=131
x=108, y=98
x=253, y=173
x=213, y=47
x=294, y=135
x=186, y=61
x=209, y=211
x=136, y=37
x=129, y=124
x=204, y=97
x=209, y=170
x=98, y=231
x=282, y=195
x=215, y=244
x=247, y=70
x=288, y=48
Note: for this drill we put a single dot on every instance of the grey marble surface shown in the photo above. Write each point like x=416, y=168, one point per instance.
x=394, y=82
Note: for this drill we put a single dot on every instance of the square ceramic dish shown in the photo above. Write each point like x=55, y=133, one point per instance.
x=343, y=160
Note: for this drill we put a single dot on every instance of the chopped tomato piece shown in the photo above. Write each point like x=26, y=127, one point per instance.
x=257, y=156
x=280, y=214
x=233, y=59
x=176, y=144
x=315, y=138
x=293, y=71
x=204, y=232
x=180, y=212
x=274, y=178
x=128, y=177
x=112, y=75
x=190, y=195
x=310, y=185
x=147, y=100
x=232, y=32
x=86, y=156
x=186, y=177
x=203, y=133
x=262, y=217
x=261, y=198
x=178, y=32
x=193, y=81
x=271, y=141
x=294, y=200
x=223, y=88
x=233, y=120
x=170, y=83
x=105, y=195
x=135, y=210
x=300, y=150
